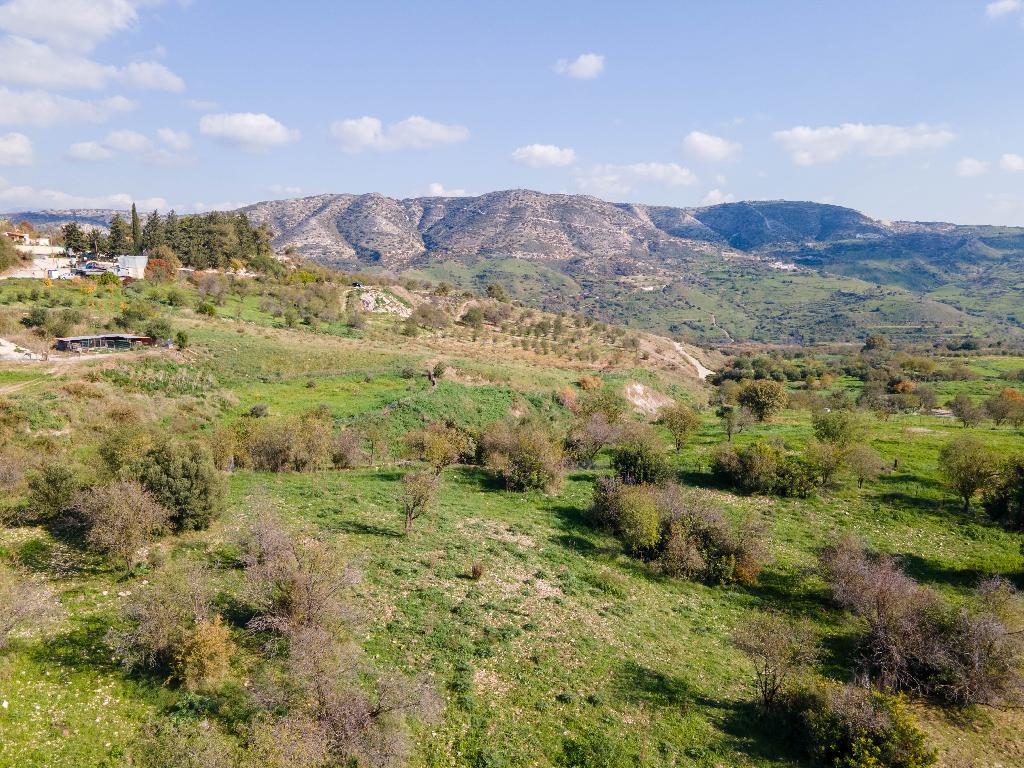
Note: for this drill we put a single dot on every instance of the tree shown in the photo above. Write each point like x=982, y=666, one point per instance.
x=74, y=238
x=419, y=490
x=780, y=648
x=136, y=231
x=8, y=254
x=153, y=234
x=1004, y=501
x=681, y=421
x=968, y=465
x=865, y=463
x=963, y=408
x=763, y=398
x=840, y=428
x=182, y=477
x=118, y=240
x=122, y=517
x=825, y=460
x=734, y=419
x=875, y=342
x=497, y=292
x=1001, y=407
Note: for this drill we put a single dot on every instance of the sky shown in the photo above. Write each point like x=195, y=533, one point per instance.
x=906, y=110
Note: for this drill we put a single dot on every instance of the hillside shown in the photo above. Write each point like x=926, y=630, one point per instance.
x=762, y=270
x=518, y=630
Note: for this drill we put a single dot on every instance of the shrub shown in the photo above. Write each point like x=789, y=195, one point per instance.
x=780, y=649
x=763, y=398
x=347, y=449
x=157, y=620
x=183, y=744
x=639, y=456
x=968, y=465
x=204, y=654
x=639, y=520
x=183, y=478
x=865, y=463
x=440, y=445
x=292, y=583
x=963, y=408
x=1004, y=499
x=681, y=421
x=603, y=400
x=761, y=468
x=430, y=316
x=840, y=428
x=586, y=437
x=23, y=602
x=419, y=491
x=122, y=517
x=523, y=455
x=852, y=727
x=52, y=493
x=476, y=571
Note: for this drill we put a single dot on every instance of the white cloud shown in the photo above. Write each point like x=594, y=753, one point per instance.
x=437, y=189
x=38, y=65
x=126, y=142
x=247, y=130
x=69, y=24
x=544, y=156
x=416, y=132
x=41, y=108
x=179, y=141
x=709, y=148
x=971, y=166
x=151, y=76
x=809, y=146
x=200, y=105
x=717, y=197
x=282, y=189
x=15, y=149
x=612, y=179
x=586, y=66
x=1003, y=7
x=1012, y=163
x=89, y=152
x=26, y=197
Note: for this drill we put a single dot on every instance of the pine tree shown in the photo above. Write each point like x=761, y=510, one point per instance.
x=136, y=231
x=153, y=232
x=119, y=234
x=74, y=237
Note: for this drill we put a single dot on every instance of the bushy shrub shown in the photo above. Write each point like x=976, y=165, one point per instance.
x=639, y=456
x=183, y=744
x=122, y=517
x=347, y=449
x=158, y=620
x=52, y=494
x=761, y=468
x=440, y=445
x=587, y=436
x=523, y=454
x=763, y=398
x=23, y=602
x=681, y=421
x=968, y=464
x=183, y=479
x=853, y=727
x=780, y=649
x=419, y=491
x=913, y=640
x=639, y=520
x=292, y=582
x=204, y=655
x=1004, y=500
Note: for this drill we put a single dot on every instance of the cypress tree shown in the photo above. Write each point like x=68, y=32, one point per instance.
x=136, y=231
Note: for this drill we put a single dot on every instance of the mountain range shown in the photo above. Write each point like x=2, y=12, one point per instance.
x=762, y=270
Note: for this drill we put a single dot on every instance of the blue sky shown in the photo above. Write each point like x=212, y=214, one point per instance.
x=903, y=110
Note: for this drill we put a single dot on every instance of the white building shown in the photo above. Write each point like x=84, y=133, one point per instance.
x=133, y=266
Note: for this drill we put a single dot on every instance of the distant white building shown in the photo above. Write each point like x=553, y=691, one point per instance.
x=133, y=266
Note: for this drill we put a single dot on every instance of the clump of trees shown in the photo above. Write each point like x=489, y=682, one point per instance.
x=523, y=454
x=680, y=532
x=762, y=468
x=914, y=640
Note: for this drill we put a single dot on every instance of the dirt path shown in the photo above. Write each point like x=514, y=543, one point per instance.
x=9, y=352
x=702, y=372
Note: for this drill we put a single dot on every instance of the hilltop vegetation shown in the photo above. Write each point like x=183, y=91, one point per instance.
x=394, y=524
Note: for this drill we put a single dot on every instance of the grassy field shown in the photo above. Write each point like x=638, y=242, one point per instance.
x=565, y=643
